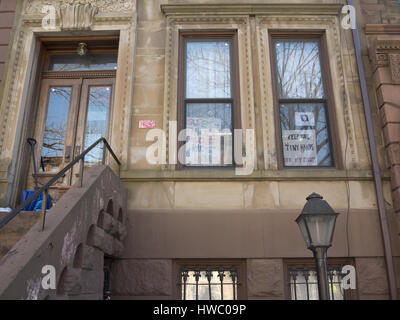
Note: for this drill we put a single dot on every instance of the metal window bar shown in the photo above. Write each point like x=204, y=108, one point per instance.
x=334, y=276
x=191, y=276
x=293, y=275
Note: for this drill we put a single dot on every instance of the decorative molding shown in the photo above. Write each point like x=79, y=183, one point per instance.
x=8, y=104
x=394, y=59
x=251, y=9
x=78, y=74
x=77, y=16
x=332, y=27
x=387, y=45
x=34, y=7
x=381, y=49
x=176, y=23
x=378, y=29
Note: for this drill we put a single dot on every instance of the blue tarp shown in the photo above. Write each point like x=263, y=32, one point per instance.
x=36, y=205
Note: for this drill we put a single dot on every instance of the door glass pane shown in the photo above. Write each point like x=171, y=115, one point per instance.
x=299, y=70
x=55, y=130
x=208, y=70
x=209, y=134
x=88, y=62
x=305, y=136
x=97, y=122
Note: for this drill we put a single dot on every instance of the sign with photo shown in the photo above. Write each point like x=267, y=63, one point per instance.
x=305, y=119
x=299, y=148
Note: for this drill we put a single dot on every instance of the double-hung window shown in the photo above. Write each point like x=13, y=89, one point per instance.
x=208, y=98
x=302, y=102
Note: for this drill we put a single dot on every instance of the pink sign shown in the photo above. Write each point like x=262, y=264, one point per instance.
x=147, y=124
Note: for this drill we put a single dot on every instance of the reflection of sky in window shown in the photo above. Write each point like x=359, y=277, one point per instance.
x=299, y=69
x=97, y=121
x=208, y=70
x=287, y=115
x=56, y=122
x=75, y=62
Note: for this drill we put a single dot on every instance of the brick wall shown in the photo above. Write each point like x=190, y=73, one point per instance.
x=7, y=11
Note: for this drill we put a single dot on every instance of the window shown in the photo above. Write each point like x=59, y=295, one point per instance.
x=208, y=98
x=210, y=281
x=303, y=283
x=302, y=101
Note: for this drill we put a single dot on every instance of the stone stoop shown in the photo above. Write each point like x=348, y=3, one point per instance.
x=84, y=233
x=16, y=229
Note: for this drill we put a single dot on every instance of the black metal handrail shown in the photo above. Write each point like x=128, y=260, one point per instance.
x=60, y=174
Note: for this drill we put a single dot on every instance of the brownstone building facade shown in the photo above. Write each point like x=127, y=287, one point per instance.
x=284, y=71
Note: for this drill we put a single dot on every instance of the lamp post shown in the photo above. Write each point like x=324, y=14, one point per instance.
x=317, y=223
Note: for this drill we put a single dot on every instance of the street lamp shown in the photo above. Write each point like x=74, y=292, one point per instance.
x=317, y=224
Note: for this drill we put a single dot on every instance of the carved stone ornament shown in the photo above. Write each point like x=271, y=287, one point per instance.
x=34, y=7
x=395, y=66
x=77, y=16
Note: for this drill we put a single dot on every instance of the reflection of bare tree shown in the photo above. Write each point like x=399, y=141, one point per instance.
x=208, y=70
x=99, y=101
x=299, y=70
x=54, y=134
x=300, y=77
x=54, y=138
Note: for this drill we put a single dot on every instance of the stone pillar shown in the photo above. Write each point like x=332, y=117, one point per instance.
x=385, y=55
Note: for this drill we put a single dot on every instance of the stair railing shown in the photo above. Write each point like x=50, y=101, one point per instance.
x=45, y=188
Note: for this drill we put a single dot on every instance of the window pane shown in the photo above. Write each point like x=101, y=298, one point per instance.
x=305, y=136
x=299, y=70
x=97, y=122
x=208, y=73
x=88, y=62
x=56, y=126
x=209, y=134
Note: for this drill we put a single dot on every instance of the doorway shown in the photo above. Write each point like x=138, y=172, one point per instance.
x=75, y=106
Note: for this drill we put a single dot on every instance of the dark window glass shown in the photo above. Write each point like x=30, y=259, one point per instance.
x=88, y=62
x=303, y=113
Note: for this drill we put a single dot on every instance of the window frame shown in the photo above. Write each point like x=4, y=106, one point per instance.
x=328, y=100
x=201, y=36
x=310, y=262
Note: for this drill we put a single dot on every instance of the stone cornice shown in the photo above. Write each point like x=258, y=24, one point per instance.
x=251, y=9
x=387, y=45
x=382, y=29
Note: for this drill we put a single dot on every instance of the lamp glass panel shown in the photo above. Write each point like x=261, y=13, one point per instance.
x=321, y=229
x=303, y=230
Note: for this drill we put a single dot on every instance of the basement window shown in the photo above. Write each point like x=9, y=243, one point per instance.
x=303, y=281
x=209, y=283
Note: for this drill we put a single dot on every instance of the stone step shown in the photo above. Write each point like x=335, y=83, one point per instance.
x=16, y=229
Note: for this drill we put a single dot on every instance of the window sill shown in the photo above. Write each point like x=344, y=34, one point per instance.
x=268, y=175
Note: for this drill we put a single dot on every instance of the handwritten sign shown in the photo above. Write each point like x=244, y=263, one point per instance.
x=299, y=148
